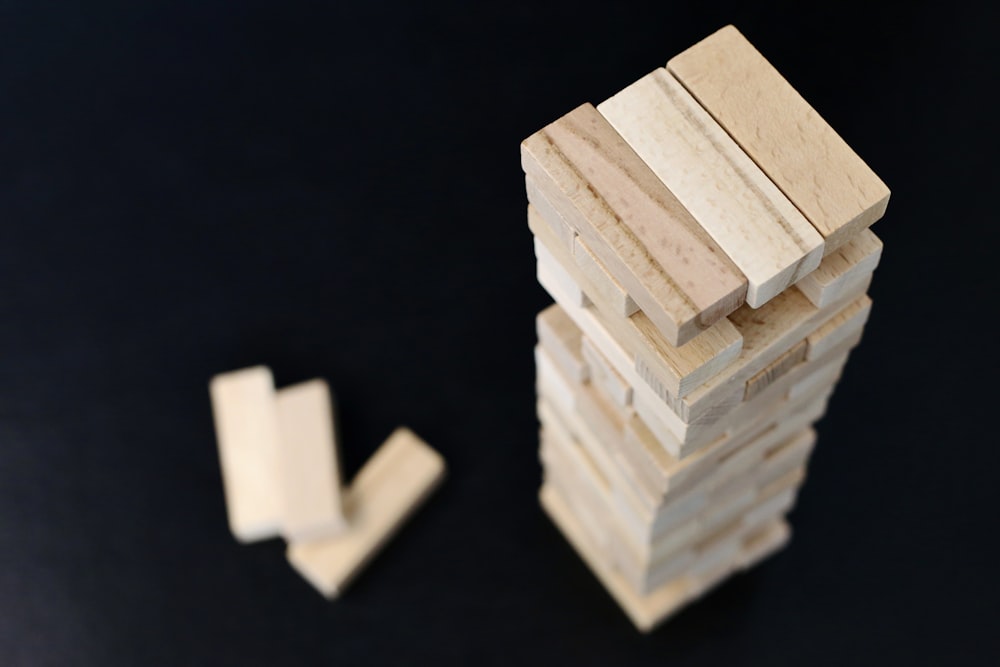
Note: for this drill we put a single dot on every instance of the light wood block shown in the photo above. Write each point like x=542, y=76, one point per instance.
x=846, y=324
x=247, y=431
x=842, y=268
x=566, y=284
x=678, y=369
x=308, y=463
x=645, y=611
x=390, y=486
x=607, y=288
x=610, y=380
x=557, y=334
x=633, y=223
x=792, y=144
x=767, y=238
x=766, y=542
x=775, y=370
x=560, y=228
x=826, y=374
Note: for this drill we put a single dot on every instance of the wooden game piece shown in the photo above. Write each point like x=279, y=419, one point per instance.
x=631, y=221
x=775, y=370
x=606, y=287
x=246, y=426
x=613, y=384
x=792, y=144
x=567, y=235
x=764, y=543
x=845, y=325
x=842, y=268
x=308, y=468
x=767, y=238
x=557, y=334
x=390, y=486
x=679, y=369
x=566, y=284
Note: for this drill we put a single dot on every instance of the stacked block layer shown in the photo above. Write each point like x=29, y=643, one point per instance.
x=705, y=236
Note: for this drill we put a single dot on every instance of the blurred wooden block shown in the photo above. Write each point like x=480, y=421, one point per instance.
x=764, y=543
x=563, y=340
x=792, y=144
x=645, y=611
x=605, y=375
x=842, y=268
x=673, y=269
x=390, y=486
x=678, y=369
x=775, y=370
x=247, y=431
x=767, y=238
x=308, y=468
x=566, y=284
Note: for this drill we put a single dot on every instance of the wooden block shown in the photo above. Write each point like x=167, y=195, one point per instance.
x=645, y=611
x=552, y=382
x=562, y=231
x=308, y=463
x=566, y=284
x=846, y=324
x=246, y=426
x=610, y=380
x=792, y=144
x=633, y=223
x=775, y=370
x=767, y=238
x=678, y=369
x=842, y=267
x=563, y=340
x=390, y=486
x=826, y=374
x=608, y=289
x=766, y=542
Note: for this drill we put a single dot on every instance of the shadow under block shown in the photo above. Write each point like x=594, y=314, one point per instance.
x=815, y=168
x=670, y=266
x=767, y=238
x=679, y=369
x=247, y=432
x=390, y=486
x=309, y=467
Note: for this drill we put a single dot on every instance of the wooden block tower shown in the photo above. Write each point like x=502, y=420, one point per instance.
x=705, y=236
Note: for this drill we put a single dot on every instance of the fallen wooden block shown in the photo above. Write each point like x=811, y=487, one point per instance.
x=247, y=432
x=309, y=465
x=792, y=144
x=767, y=238
x=671, y=267
x=390, y=486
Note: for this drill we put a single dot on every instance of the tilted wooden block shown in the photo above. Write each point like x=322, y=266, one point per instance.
x=631, y=221
x=247, y=431
x=309, y=466
x=792, y=144
x=390, y=486
x=679, y=369
x=767, y=238
x=842, y=268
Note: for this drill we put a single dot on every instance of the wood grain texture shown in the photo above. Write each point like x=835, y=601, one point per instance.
x=767, y=238
x=842, y=268
x=606, y=287
x=247, y=432
x=792, y=144
x=679, y=369
x=309, y=466
x=633, y=223
x=390, y=486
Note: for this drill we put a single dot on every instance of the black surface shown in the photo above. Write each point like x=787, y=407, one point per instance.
x=192, y=187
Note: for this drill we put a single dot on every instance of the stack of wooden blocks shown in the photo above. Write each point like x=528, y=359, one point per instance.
x=705, y=235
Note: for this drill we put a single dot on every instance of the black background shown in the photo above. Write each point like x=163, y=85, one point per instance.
x=192, y=187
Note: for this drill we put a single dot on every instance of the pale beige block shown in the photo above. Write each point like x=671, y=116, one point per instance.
x=844, y=266
x=845, y=325
x=390, y=486
x=566, y=283
x=246, y=426
x=633, y=223
x=767, y=238
x=608, y=289
x=826, y=375
x=775, y=370
x=610, y=380
x=567, y=235
x=645, y=611
x=792, y=144
x=309, y=468
x=764, y=543
x=563, y=340
x=552, y=382
x=679, y=369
